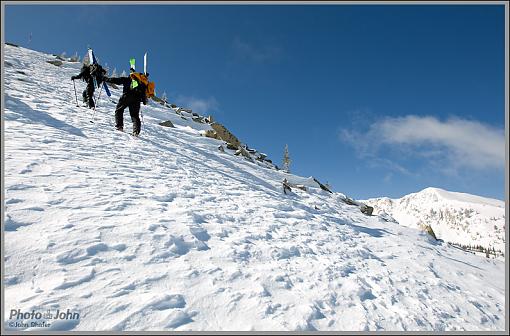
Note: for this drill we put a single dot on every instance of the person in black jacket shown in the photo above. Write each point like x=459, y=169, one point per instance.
x=133, y=93
x=88, y=93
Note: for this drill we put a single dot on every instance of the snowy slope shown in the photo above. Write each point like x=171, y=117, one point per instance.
x=455, y=217
x=167, y=232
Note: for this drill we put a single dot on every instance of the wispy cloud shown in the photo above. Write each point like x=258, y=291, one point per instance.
x=199, y=105
x=445, y=145
x=255, y=52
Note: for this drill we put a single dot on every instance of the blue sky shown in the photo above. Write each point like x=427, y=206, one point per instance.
x=376, y=100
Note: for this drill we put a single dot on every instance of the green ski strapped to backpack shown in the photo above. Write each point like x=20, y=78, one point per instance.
x=134, y=83
x=142, y=78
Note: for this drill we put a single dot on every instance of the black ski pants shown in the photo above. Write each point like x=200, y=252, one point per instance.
x=133, y=103
x=88, y=94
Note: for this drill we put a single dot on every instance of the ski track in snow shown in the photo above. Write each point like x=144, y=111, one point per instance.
x=165, y=232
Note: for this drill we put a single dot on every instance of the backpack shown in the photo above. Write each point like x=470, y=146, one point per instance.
x=141, y=78
x=98, y=72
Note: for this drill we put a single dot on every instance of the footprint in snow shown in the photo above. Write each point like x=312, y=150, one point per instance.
x=200, y=233
x=283, y=281
x=173, y=303
x=12, y=225
x=177, y=245
x=78, y=254
x=174, y=247
x=309, y=315
x=123, y=290
x=13, y=201
x=77, y=280
x=272, y=308
x=20, y=187
x=179, y=318
x=285, y=253
x=96, y=248
x=165, y=198
x=119, y=247
x=167, y=302
x=29, y=168
x=11, y=280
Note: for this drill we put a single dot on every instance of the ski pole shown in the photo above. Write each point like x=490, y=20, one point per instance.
x=75, y=95
x=95, y=105
x=142, y=119
x=95, y=86
x=98, y=97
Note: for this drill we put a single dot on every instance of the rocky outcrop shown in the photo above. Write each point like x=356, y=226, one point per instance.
x=366, y=209
x=242, y=151
x=261, y=157
x=181, y=109
x=212, y=134
x=224, y=134
x=428, y=229
x=158, y=100
x=231, y=147
x=55, y=62
x=322, y=186
x=197, y=118
x=220, y=132
x=294, y=185
x=167, y=123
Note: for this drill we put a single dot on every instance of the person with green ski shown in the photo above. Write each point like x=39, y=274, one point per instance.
x=133, y=94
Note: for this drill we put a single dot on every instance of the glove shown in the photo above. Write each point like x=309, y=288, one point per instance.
x=106, y=79
x=73, y=77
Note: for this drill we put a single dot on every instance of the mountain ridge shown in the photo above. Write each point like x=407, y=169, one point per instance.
x=455, y=217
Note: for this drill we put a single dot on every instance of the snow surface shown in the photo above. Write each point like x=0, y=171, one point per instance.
x=455, y=217
x=166, y=232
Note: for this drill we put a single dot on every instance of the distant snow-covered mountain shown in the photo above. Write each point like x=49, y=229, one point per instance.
x=455, y=217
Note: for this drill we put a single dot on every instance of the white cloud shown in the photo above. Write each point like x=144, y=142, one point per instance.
x=448, y=145
x=198, y=105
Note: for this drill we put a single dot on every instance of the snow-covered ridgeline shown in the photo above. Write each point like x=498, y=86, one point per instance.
x=458, y=218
